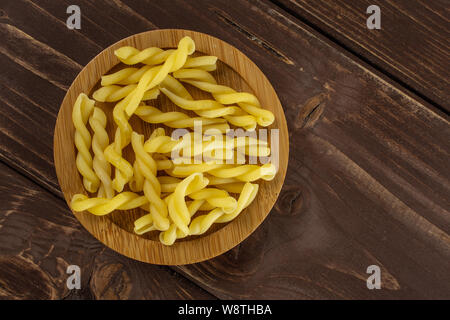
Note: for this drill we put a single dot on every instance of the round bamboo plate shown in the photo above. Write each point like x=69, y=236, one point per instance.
x=116, y=229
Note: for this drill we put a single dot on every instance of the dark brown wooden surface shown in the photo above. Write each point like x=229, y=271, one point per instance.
x=367, y=182
x=40, y=237
x=412, y=45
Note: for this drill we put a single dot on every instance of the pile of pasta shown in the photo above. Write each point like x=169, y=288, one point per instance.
x=178, y=199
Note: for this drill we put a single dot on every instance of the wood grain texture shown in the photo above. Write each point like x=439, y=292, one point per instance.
x=368, y=179
x=39, y=238
x=412, y=45
x=116, y=230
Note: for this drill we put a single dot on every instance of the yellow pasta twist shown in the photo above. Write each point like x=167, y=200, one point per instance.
x=182, y=171
x=100, y=141
x=168, y=185
x=161, y=143
x=124, y=76
x=205, y=108
x=169, y=236
x=124, y=170
x=184, y=154
x=151, y=56
x=137, y=181
x=162, y=163
x=113, y=153
x=246, y=173
x=226, y=95
x=178, y=119
x=121, y=120
x=154, y=76
x=131, y=75
x=102, y=206
x=217, y=147
x=207, y=63
x=202, y=223
x=231, y=185
x=82, y=109
x=217, y=198
x=243, y=145
x=152, y=188
x=113, y=93
x=154, y=56
x=246, y=197
x=211, y=109
x=178, y=210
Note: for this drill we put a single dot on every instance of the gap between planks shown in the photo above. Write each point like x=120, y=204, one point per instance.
x=405, y=88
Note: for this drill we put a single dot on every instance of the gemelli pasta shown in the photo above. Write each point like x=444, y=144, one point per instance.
x=184, y=183
x=100, y=141
x=80, y=115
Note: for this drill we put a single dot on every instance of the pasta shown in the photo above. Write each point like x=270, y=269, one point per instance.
x=231, y=185
x=80, y=115
x=175, y=86
x=165, y=144
x=202, y=223
x=209, y=147
x=100, y=141
x=124, y=170
x=125, y=76
x=101, y=206
x=204, y=108
x=169, y=236
x=151, y=56
x=184, y=184
x=168, y=183
x=136, y=183
x=246, y=173
x=178, y=210
x=207, y=63
x=131, y=75
x=226, y=95
x=152, y=188
x=154, y=56
x=113, y=93
x=212, y=109
x=186, y=170
x=156, y=75
x=216, y=198
x=113, y=153
x=177, y=119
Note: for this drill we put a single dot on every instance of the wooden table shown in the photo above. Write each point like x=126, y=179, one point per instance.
x=368, y=176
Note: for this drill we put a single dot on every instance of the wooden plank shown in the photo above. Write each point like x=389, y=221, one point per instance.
x=44, y=56
x=39, y=238
x=367, y=181
x=412, y=45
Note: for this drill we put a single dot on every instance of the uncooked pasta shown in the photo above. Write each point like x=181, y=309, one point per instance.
x=179, y=184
